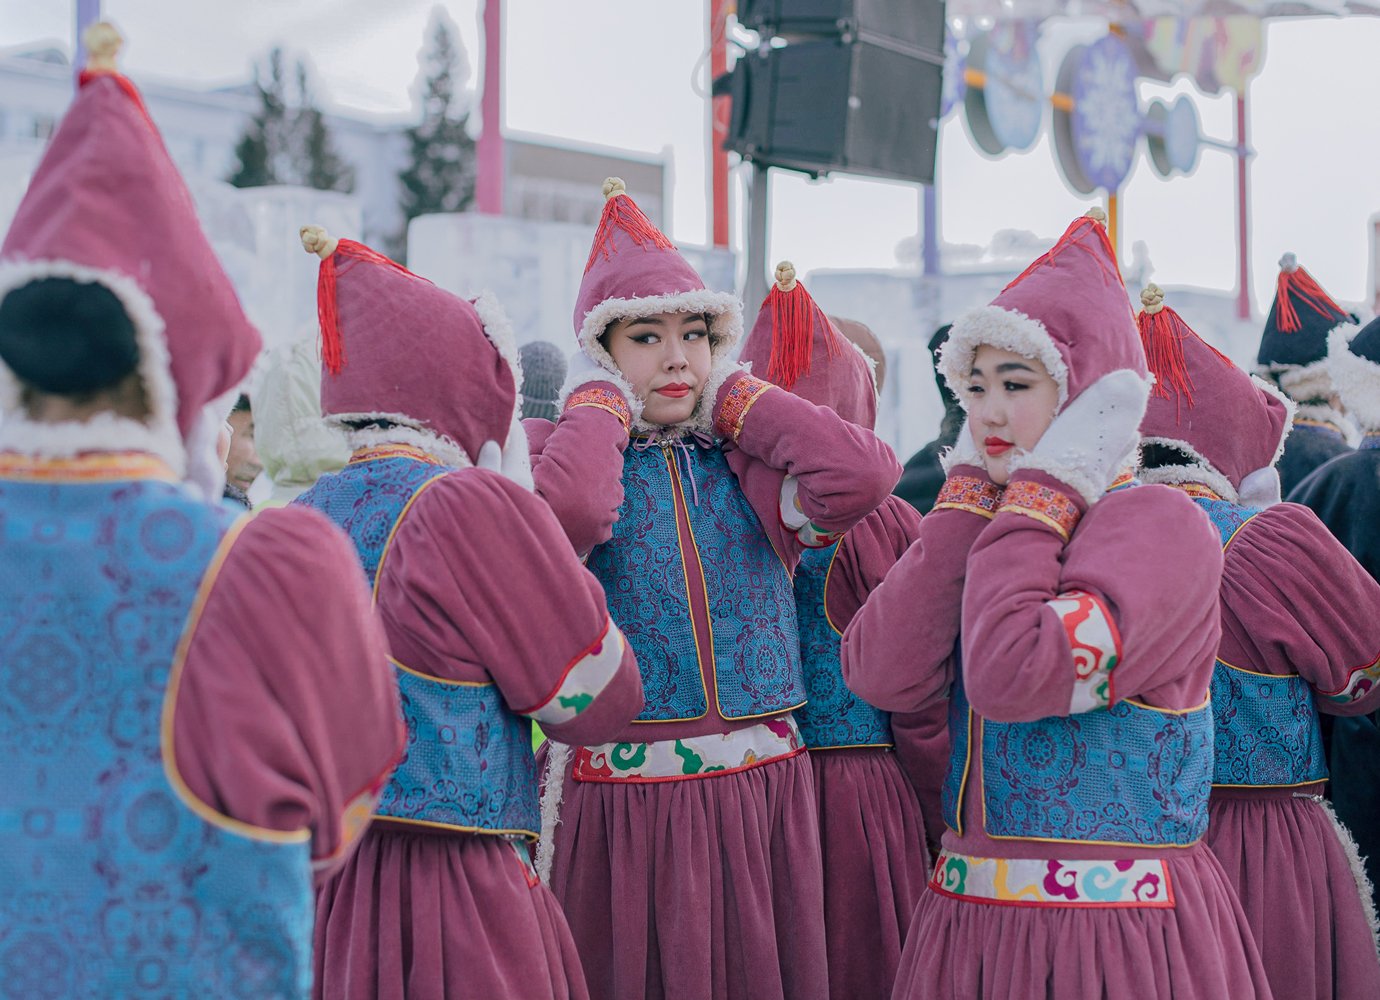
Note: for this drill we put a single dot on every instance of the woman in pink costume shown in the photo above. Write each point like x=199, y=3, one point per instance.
x=1076, y=801
x=1215, y=433
x=491, y=623
x=686, y=850
x=872, y=834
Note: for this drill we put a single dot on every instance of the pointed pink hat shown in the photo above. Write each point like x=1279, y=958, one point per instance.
x=107, y=206
x=796, y=346
x=1068, y=309
x=1227, y=423
x=634, y=270
x=395, y=347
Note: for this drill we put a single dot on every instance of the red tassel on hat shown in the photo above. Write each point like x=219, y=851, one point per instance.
x=1294, y=282
x=622, y=213
x=793, y=314
x=315, y=240
x=1162, y=335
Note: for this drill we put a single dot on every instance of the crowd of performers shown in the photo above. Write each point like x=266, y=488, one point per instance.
x=1059, y=737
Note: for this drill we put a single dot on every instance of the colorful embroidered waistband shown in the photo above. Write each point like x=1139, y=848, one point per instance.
x=692, y=757
x=1046, y=505
x=739, y=399
x=603, y=398
x=977, y=496
x=1045, y=882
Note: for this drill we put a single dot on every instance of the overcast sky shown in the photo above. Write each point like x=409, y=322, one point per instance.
x=625, y=73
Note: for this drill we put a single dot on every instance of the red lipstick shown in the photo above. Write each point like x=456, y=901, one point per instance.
x=675, y=390
x=997, y=446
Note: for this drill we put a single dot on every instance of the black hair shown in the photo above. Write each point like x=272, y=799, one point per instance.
x=241, y=404
x=66, y=337
x=1161, y=456
x=714, y=338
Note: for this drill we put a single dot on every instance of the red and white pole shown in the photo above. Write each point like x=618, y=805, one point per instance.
x=489, y=173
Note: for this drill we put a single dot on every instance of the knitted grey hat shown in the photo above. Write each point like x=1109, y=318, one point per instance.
x=543, y=371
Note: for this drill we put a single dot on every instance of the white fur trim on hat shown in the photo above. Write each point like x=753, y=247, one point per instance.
x=1199, y=470
x=405, y=430
x=726, y=329
x=1006, y=329
x=1290, y=408
x=499, y=329
x=1323, y=414
x=1357, y=381
x=161, y=436
x=1300, y=382
x=103, y=432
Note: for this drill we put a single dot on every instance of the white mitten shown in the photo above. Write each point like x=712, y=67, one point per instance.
x=510, y=460
x=964, y=451
x=582, y=370
x=1261, y=488
x=1094, y=437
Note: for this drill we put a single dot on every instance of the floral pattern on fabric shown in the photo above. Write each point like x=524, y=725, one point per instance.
x=1043, y=504
x=977, y=496
x=1095, y=645
x=1268, y=732
x=467, y=763
x=603, y=398
x=1048, y=883
x=646, y=569
x=367, y=498
x=692, y=757
x=1227, y=517
x=834, y=716
x=960, y=744
x=736, y=403
x=114, y=879
x=1128, y=774
x=585, y=679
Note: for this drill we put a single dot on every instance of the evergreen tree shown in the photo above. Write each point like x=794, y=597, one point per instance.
x=318, y=164
x=440, y=174
x=285, y=144
x=261, y=151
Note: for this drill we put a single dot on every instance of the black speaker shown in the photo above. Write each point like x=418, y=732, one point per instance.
x=917, y=24
x=829, y=104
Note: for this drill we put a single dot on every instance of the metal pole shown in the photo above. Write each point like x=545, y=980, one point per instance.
x=929, y=251
x=755, y=284
x=1243, y=244
x=88, y=13
x=488, y=181
x=719, y=111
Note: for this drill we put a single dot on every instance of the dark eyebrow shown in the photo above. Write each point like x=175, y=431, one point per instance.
x=647, y=321
x=1014, y=366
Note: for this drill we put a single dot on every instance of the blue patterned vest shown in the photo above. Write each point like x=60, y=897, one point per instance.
x=1268, y=732
x=646, y=569
x=114, y=880
x=1127, y=775
x=468, y=763
x=834, y=716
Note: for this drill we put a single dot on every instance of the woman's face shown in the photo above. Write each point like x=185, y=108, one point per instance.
x=1011, y=402
x=666, y=357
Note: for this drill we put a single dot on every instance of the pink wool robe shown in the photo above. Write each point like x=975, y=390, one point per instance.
x=287, y=714
x=704, y=889
x=1294, y=601
x=990, y=580
x=477, y=585
x=873, y=821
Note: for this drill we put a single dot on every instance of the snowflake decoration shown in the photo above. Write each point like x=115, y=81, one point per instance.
x=1106, y=113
